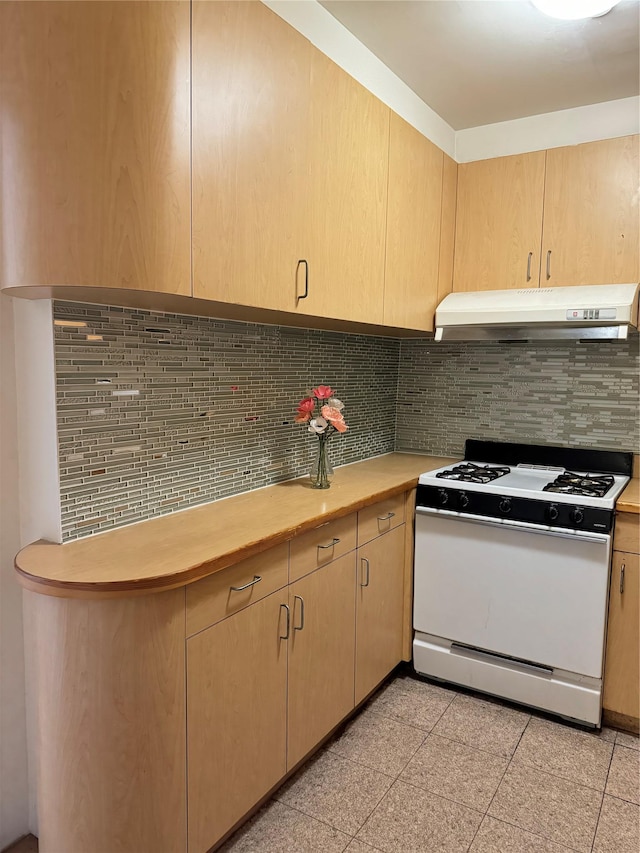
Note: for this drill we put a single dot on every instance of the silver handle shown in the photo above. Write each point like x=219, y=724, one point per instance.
x=386, y=517
x=301, y=600
x=365, y=564
x=286, y=636
x=256, y=579
x=523, y=526
x=549, y=264
x=622, y=568
x=529, y=266
x=333, y=542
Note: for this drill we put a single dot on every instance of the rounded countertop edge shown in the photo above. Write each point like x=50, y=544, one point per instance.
x=187, y=574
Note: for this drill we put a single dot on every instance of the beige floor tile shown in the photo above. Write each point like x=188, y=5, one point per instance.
x=564, y=751
x=554, y=808
x=628, y=740
x=455, y=771
x=409, y=820
x=494, y=836
x=279, y=829
x=624, y=774
x=360, y=847
x=618, y=828
x=483, y=725
x=378, y=742
x=416, y=703
x=336, y=791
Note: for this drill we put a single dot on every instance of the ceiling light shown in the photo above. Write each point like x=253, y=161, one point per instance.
x=574, y=10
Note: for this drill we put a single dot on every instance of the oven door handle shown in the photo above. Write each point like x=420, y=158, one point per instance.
x=601, y=538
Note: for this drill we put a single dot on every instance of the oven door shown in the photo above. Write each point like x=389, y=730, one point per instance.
x=531, y=593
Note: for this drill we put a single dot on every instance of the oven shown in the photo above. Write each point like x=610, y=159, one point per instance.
x=511, y=590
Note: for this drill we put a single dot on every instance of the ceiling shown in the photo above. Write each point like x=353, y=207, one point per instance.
x=477, y=62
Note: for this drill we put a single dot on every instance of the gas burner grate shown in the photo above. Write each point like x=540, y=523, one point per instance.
x=468, y=472
x=587, y=485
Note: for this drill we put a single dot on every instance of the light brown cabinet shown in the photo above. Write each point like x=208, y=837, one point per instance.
x=562, y=217
x=379, y=609
x=96, y=145
x=321, y=655
x=621, y=699
x=413, y=228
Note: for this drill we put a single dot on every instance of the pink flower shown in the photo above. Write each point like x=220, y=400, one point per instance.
x=331, y=413
x=339, y=426
x=306, y=405
x=302, y=417
x=322, y=392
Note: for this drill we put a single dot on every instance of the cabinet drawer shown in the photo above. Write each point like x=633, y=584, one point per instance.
x=627, y=533
x=214, y=598
x=322, y=545
x=380, y=518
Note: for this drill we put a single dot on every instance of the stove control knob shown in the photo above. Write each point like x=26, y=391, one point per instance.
x=505, y=505
x=463, y=500
x=443, y=497
x=577, y=515
x=553, y=512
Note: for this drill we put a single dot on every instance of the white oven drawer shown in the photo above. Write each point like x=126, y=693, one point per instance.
x=513, y=590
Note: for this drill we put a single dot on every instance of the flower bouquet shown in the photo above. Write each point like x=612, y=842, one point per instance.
x=322, y=412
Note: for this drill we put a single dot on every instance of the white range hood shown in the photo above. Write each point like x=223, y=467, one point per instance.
x=605, y=311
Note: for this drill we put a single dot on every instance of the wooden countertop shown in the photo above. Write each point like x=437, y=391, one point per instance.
x=175, y=550
x=629, y=500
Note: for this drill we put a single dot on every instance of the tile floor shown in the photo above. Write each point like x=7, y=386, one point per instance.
x=424, y=769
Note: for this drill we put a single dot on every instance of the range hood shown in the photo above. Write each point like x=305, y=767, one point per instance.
x=605, y=311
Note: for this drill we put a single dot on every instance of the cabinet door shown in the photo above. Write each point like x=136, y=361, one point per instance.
x=622, y=662
x=379, y=609
x=321, y=654
x=499, y=223
x=96, y=145
x=591, y=214
x=345, y=205
x=413, y=228
x=250, y=102
x=447, y=226
x=236, y=717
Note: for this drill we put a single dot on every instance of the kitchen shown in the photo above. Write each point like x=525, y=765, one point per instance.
x=612, y=362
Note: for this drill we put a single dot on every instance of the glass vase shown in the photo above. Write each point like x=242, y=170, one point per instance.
x=321, y=472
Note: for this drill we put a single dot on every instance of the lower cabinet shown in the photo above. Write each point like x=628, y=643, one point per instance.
x=321, y=654
x=621, y=676
x=236, y=717
x=379, y=609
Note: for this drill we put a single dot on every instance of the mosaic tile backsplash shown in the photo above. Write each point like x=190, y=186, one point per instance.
x=565, y=393
x=160, y=412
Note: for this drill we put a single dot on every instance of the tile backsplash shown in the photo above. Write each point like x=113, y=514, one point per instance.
x=565, y=393
x=160, y=412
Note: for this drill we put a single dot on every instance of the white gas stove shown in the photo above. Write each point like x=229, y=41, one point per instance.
x=512, y=560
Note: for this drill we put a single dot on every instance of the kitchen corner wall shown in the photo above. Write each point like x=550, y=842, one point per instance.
x=160, y=412
x=571, y=393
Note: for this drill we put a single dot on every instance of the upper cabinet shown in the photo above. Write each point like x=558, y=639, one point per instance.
x=413, y=228
x=591, y=226
x=96, y=145
x=447, y=225
x=251, y=88
x=567, y=216
x=499, y=223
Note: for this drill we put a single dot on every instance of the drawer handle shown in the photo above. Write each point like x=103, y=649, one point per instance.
x=301, y=600
x=548, y=264
x=256, y=579
x=286, y=636
x=306, y=278
x=331, y=544
x=365, y=565
x=622, y=568
x=529, y=257
x=386, y=517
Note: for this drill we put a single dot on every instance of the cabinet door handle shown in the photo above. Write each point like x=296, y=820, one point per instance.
x=548, y=264
x=256, y=579
x=333, y=542
x=386, y=517
x=286, y=636
x=622, y=568
x=301, y=600
x=529, y=266
x=306, y=278
x=365, y=565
